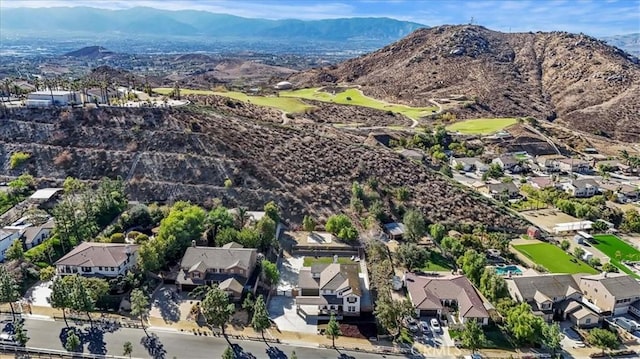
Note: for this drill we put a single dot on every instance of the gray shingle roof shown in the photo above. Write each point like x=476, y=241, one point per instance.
x=551, y=285
x=618, y=284
x=218, y=257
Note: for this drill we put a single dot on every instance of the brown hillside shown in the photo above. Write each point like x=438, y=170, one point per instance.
x=188, y=152
x=581, y=81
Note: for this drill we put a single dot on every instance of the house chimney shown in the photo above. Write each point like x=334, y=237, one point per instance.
x=193, y=243
x=335, y=258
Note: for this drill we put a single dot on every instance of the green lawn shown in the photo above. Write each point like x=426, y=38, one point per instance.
x=553, y=258
x=481, y=126
x=618, y=250
x=309, y=261
x=528, y=204
x=357, y=98
x=286, y=104
x=437, y=263
x=495, y=338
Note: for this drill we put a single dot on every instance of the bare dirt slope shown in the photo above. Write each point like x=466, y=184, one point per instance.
x=187, y=153
x=581, y=81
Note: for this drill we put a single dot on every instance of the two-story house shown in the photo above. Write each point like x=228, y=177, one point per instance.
x=545, y=293
x=326, y=289
x=581, y=188
x=508, y=163
x=572, y=165
x=228, y=266
x=93, y=259
x=612, y=293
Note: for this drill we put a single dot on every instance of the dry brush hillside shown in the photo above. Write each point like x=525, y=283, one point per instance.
x=581, y=81
x=187, y=153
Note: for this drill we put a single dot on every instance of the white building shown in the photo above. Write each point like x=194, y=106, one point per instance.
x=98, y=259
x=7, y=236
x=49, y=98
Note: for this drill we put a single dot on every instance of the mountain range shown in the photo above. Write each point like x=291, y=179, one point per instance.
x=575, y=79
x=154, y=22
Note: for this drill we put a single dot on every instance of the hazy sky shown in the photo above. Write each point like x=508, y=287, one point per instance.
x=593, y=17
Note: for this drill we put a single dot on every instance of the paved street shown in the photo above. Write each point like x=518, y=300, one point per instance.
x=47, y=334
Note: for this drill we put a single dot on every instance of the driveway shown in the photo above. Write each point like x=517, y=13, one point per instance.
x=169, y=305
x=289, y=272
x=39, y=294
x=282, y=311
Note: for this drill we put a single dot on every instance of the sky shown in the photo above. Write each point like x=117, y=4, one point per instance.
x=593, y=17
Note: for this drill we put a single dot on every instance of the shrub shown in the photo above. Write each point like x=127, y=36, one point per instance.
x=18, y=158
x=228, y=183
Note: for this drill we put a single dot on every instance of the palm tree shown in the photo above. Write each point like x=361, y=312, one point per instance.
x=242, y=216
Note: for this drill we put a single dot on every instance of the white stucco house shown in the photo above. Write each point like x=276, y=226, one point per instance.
x=94, y=259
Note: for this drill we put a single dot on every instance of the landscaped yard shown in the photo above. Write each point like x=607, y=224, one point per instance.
x=357, y=98
x=616, y=249
x=553, y=258
x=309, y=261
x=437, y=263
x=481, y=126
x=286, y=104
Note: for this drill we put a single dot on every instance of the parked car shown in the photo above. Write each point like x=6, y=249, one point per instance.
x=411, y=321
x=436, y=326
x=425, y=327
x=7, y=339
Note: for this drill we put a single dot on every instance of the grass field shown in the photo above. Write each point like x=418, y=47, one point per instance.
x=437, y=263
x=481, y=126
x=286, y=104
x=357, y=98
x=617, y=250
x=553, y=258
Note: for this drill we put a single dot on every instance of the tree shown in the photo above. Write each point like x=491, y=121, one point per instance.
x=216, y=308
x=472, y=336
x=308, y=224
x=412, y=256
x=599, y=226
x=60, y=298
x=492, y=286
x=266, y=227
x=452, y=247
x=414, y=225
x=551, y=337
x=522, y=324
x=84, y=293
x=565, y=245
x=603, y=339
x=148, y=259
x=217, y=218
x=15, y=251
x=270, y=273
x=390, y=313
x=47, y=273
x=20, y=334
x=333, y=330
x=140, y=306
x=340, y=225
x=472, y=264
x=127, y=349
x=578, y=252
x=248, y=303
x=184, y=223
x=594, y=262
x=446, y=170
x=241, y=215
x=260, y=320
x=437, y=232
x=272, y=211
x=9, y=289
x=609, y=268
x=73, y=341
x=228, y=354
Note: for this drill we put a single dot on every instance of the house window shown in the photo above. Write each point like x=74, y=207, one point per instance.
x=86, y=269
x=351, y=309
x=232, y=271
x=588, y=321
x=352, y=299
x=100, y=268
x=112, y=269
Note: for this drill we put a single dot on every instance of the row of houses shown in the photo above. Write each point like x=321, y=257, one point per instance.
x=64, y=97
x=585, y=300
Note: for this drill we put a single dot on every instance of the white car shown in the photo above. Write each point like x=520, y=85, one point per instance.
x=436, y=326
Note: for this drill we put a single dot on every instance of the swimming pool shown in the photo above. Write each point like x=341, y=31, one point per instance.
x=505, y=270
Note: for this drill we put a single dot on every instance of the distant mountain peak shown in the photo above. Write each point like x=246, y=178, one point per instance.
x=90, y=52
